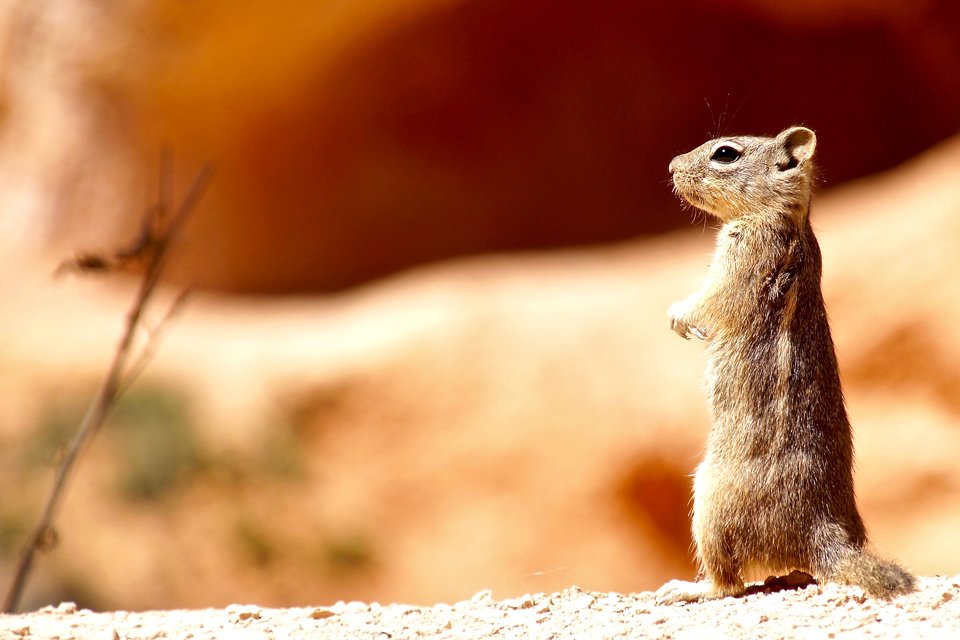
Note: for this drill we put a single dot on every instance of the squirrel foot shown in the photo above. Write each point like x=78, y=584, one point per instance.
x=678, y=591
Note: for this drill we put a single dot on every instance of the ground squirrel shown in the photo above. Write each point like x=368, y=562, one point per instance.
x=775, y=489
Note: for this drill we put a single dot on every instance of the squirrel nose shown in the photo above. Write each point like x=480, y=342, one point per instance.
x=673, y=164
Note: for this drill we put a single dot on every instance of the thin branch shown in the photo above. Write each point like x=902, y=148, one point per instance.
x=153, y=338
x=154, y=245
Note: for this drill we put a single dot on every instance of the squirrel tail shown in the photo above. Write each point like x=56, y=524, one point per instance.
x=878, y=577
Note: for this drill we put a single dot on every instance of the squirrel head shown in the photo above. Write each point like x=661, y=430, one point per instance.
x=739, y=175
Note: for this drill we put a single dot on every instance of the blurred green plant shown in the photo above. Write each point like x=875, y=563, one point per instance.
x=153, y=430
x=280, y=454
x=348, y=554
x=55, y=426
x=13, y=526
x=254, y=542
x=63, y=585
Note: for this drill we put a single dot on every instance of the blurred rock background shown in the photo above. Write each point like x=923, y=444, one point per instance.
x=428, y=354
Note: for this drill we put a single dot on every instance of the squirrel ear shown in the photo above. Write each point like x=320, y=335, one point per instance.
x=797, y=145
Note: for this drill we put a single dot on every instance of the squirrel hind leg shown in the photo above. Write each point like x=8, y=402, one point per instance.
x=878, y=577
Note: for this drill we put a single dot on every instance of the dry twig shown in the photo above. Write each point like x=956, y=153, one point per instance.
x=158, y=236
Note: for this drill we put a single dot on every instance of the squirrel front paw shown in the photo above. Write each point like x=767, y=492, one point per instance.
x=679, y=322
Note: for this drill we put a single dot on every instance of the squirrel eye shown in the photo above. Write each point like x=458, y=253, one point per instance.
x=725, y=154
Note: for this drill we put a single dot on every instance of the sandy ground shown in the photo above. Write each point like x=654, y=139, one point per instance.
x=829, y=611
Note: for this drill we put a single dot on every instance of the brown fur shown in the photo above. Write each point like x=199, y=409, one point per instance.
x=775, y=489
